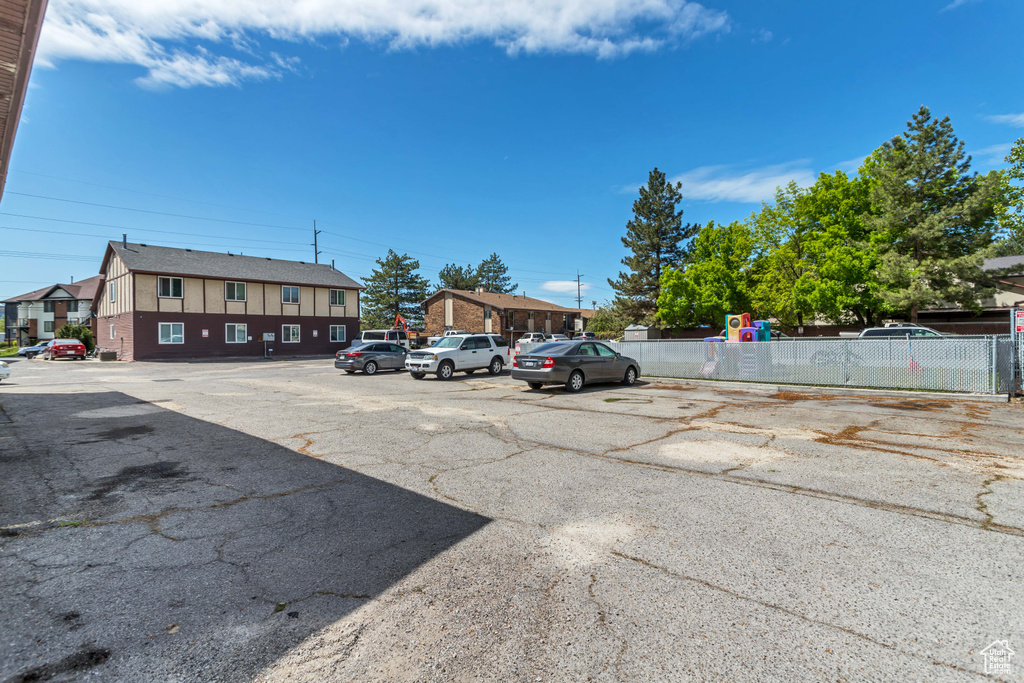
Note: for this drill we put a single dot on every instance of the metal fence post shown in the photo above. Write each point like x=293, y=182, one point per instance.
x=994, y=367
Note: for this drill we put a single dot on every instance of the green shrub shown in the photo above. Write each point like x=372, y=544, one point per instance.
x=79, y=332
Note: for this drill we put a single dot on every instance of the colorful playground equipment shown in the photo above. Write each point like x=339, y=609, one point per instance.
x=739, y=328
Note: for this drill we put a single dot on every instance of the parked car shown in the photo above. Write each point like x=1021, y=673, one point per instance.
x=64, y=348
x=900, y=331
x=559, y=338
x=533, y=338
x=431, y=341
x=574, y=365
x=31, y=352
x=5, y=370
x=459, y=353
x=585, y=336
x=371, y=357
x=399, y=337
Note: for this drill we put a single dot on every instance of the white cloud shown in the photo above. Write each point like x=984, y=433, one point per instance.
x=955, y=4
x=762, y=36
x=851, y=165
x=162, y=35
x=725, y=184
x=1016, y=120
x=993, y=154
x=564, y=286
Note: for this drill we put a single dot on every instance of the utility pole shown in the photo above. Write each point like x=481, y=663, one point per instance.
x=579, y=292
x=316, y=252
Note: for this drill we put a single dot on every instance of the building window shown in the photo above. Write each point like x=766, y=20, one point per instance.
x=530, y=315
x=169, y=287
x=113, y=291
x=172, y=333
x=111, y=331
x=235, y=333
x=337, y=297
x=337, y=333
x=289, y=295
x=511, y=320
x=290, y=333
x=47, y=326
x=567, y=321
x=234, y=291
x=48, y=306
x=487, y=314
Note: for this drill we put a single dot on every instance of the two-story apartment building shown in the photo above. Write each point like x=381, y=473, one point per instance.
x=510, y=315
x=37, y=315
x=163, y=302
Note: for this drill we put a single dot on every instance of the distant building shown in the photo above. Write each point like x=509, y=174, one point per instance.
x=510, y=315
x=160, y=303
x=994, y=316
x=37, y=315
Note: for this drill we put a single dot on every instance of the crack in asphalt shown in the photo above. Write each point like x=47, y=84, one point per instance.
x=790, y=612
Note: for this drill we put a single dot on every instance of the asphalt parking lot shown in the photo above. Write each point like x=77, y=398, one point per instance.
x=283, y=521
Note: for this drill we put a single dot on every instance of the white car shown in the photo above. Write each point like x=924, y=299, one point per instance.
x=459, y=353
x=431, y=341
x=5, y=370
x=534, y=338
x=559, y=338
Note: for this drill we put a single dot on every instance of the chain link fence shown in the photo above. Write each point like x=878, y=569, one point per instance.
x=982, y=364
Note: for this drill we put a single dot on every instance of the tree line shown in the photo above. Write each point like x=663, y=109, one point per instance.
x=910, y=230
x=395, y=286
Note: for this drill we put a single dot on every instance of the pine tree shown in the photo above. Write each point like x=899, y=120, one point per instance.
x=392, y=289
x=493, y=276
x=934, y=219
x=657, y=239
x=457, y=277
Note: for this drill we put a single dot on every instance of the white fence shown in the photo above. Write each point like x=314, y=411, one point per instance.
x=983, y=364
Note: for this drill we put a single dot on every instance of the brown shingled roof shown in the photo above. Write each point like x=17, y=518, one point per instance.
x=85, y=289
x=506, y=302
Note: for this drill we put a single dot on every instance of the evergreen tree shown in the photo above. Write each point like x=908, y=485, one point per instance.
x=457, y=277
x=933, y=221
x=493, y=276
x=1012, y=218
x=656, y=237
x=392, y=289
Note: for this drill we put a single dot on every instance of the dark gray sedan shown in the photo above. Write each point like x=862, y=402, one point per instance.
x=371, y=357
x=574, y=364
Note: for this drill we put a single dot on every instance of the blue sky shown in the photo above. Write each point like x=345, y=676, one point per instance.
x=452, y=130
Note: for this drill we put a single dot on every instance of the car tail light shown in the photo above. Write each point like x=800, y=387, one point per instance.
x=549, y=362
x=354, y=354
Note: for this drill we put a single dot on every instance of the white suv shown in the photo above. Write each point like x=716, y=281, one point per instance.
x=459, y=353
x=534, y=338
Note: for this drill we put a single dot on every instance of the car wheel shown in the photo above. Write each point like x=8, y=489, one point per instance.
x=496, y=366
x=575, y=382
x=535, y=385
x=446, y=370
x=630, y=377
x=417, y=375
x=370, y=368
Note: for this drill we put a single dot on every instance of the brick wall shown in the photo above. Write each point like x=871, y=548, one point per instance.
x=123, y=341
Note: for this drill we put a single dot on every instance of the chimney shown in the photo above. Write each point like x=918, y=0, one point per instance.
x=480, y=289
x=72, y=279
x=124, y=240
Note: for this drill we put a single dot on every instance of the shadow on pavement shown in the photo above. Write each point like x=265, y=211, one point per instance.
x=138, y=543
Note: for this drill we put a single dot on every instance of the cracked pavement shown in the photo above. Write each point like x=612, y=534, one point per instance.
x=283, y=521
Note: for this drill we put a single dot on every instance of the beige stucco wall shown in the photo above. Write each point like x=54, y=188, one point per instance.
x=145, y=297
x=214, y=296
x=236, y=307
x=272, y=299
x=254, y=293
x=449, y=315
x=194, y=297
x=305, y=301
x=118, y=274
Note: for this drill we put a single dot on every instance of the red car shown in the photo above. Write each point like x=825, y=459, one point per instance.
x=64, y=348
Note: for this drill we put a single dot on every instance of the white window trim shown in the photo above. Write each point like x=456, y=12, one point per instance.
x=344, y=334
x=298, y=294
x=291, y=341
x=170, y=296
x=235, y=282
x=113, y=292
x=111, y=331
x=245, y=334
x=344, y=297
x=159, y=337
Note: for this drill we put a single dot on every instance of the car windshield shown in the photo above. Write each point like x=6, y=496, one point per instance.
x=361, y=347
x=66, y=341
x=449, y=343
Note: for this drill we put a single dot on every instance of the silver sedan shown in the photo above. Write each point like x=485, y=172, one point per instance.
x=574, y=364
x=371, y=357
